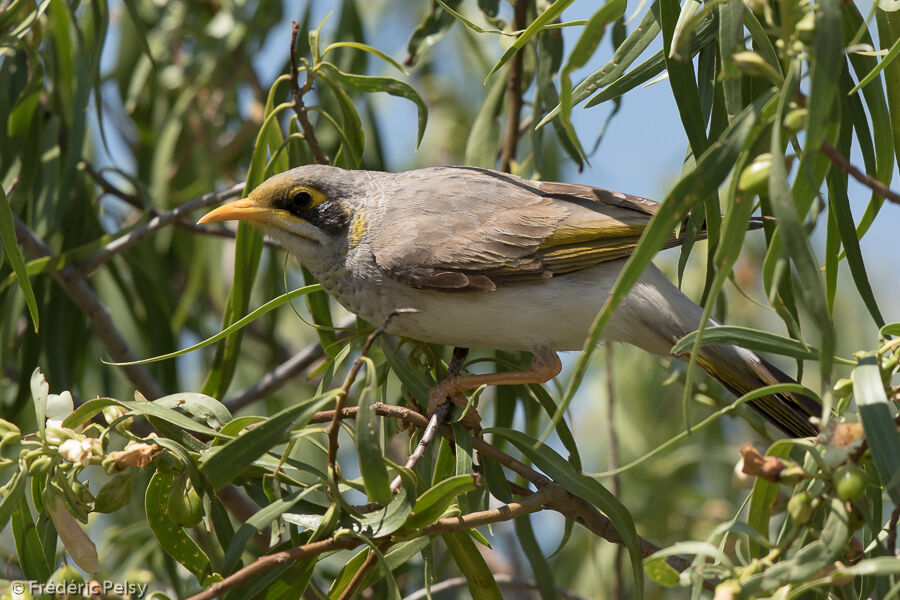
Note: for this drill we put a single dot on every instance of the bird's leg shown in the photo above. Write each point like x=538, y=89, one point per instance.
x=544, y=366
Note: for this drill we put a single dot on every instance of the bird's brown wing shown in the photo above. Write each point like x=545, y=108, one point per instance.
x=464, y=228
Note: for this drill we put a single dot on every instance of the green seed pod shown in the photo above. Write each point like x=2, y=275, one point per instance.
x=755, y=176
x=849, y=482
x=800, y=507
x=843, y=387
x=185, y=504
x=795, y=120
x=40, y=465
x=115, y=494
x=754, y=65
x=805, y=29
x=66, y=574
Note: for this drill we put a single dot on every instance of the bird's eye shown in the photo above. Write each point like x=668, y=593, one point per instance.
x=301, y=200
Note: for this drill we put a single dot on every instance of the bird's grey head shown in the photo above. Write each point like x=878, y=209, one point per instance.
x=302, y=208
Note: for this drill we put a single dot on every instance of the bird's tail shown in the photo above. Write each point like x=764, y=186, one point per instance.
x=742, y=371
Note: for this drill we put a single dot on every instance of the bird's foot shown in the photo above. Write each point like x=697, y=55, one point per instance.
x=452, y=389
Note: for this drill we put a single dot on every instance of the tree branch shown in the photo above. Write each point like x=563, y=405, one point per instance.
x=514, y=93
x=297, y=93
x=86, y=268
x=867, y=180
x=90, y=305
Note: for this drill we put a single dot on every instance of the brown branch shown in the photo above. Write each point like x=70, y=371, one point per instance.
x=437, y=418
x=360, y=575
x=86, y=268
x=514, y=93
x=529, y=504
x=549, y=495
x=270, y=561
x=892, y=532
x=867, y=180
x=90, y=305
x=297, y=93
x=107, y=186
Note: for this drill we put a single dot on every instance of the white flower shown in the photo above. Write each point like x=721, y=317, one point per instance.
x=77, y=451
x=59, y=406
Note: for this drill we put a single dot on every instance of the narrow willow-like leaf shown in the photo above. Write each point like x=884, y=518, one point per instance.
x=762, y=500
x=480, y=580
x=371, y=458
x=11, y=249
x=394, y=87
x=681, y=76
x=236, y=326
x=224, y=463
x=753, y=339
x=653, y=66
x=170, y=536
x=878, y=424
x=627, y=52
x=550, y=14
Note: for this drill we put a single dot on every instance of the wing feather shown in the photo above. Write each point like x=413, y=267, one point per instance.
x=479, y=228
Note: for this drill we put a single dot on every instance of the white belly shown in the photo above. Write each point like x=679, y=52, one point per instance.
x=557, y=312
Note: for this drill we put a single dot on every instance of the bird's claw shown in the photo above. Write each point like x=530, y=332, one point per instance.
x=447, y=390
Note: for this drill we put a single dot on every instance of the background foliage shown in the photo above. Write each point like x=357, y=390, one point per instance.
x=120, y=119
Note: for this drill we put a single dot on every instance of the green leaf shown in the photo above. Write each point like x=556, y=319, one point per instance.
x=259, y=521
x=752, y=339
x=552, y=12
x=660, y=571
x=878, y=423
x=223, y=463
x=231, y=329
x=888, y=35
x=432, y=503
x=394, y=87
x=479, y=578
x=33, y=560
x=12, y=490
x=681, y=74
x=170, y=536
x=712, y=168
x=371, y=457
x=365, y=48
x=11, y=249
x=484, y=135
x=653, y=66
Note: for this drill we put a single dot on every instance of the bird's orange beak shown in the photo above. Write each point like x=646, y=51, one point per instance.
x=244, y=209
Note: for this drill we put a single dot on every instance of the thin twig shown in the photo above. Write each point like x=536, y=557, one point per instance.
x=437, y=418
x=504, y=581
x=86, y=268
x=297, y=93
x=335, y=426
x=549, y=495
x=360, y=575
x=867, y=180
x=574, y=508
x=90, y=305
x=514, y=93
x=892, y=531
x=107, y=186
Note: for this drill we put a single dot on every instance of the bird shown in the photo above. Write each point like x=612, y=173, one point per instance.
x=487, y=259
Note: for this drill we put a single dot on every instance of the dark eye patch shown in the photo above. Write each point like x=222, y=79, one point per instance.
x=298, y=202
